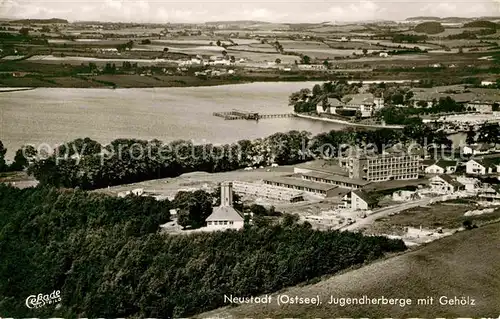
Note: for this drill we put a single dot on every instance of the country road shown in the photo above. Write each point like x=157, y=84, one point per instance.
x=382, y=212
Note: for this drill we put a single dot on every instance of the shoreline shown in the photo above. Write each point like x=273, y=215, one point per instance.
x=347, y=123
x=14, y=89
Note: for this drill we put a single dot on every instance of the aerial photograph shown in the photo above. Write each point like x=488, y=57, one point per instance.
x=247, y=159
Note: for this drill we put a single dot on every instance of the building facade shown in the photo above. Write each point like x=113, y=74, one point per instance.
x=444, y=184
x=225, y=216
x=384, y=167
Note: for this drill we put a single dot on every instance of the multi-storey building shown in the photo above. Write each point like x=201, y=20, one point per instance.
x=378, y=168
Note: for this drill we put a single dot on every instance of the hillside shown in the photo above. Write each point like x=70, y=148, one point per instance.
x=429, y=28
x=40, y=21
x=481, y=24
x=465, y=264
x=423, y=19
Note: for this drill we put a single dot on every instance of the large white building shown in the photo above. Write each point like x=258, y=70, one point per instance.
x=225, y=216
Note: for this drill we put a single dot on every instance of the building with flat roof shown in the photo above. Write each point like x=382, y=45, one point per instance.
x=333, y=179
x=384, y=167
x=320, y=189
x=268, y=192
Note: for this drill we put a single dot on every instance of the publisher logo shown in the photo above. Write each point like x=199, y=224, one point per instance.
x=41, y=300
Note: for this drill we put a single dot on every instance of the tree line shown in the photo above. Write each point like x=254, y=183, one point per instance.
x=86, y=164
x=108, y=259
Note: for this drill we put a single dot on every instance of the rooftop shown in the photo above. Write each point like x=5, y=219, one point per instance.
x=325, y=166
x=300, y=183
x=444, y=164
x=448, y=179
x=337, y=178
x=225, y=213
x=366, y=197
x=358, y=99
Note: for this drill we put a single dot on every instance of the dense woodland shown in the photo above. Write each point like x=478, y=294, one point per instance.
x=107, y=258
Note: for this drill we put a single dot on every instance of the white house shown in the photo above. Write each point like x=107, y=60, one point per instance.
x=483, y=166
x=384, y=55
x=471, y=184
x=477, y=149
x=444, y=184
x=490, y=194
x=358, y=200
x=442, y=167
x=487, y=83
x=225, y=216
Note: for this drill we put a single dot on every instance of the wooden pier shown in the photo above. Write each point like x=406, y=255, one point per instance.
x=244, y=115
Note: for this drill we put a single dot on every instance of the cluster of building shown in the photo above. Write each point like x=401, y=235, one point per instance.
x=353, y=179
x=482, y=100
x=478, y=99
x=366, y=103
x=349, y=178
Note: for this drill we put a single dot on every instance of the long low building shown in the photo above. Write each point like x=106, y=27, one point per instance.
x=333, y=179
x=320, y=189
x=268, y=192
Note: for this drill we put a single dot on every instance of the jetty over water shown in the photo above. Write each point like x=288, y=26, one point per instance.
x=245, y=115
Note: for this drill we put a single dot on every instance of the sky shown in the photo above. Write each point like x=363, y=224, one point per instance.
x=292, y=11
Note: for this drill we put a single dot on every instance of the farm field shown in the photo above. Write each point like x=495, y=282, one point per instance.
x=459, y=265
x=262, y=57
x=460, y=43
x=358, y=45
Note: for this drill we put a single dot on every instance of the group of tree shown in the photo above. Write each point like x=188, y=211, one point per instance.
x=195, y=206
x=278, y=47
x=106, y=256
x=393, y=94
x=409, y=38
x=429, y=27
x=126, y=161
x=305, y=100
x=23, y=157
x=125, y=46
x=489, y=133
x=397, y=115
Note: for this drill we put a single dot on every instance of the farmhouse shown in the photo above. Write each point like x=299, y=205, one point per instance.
x=225, y=216
x=444, y=184
x=442, y=167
